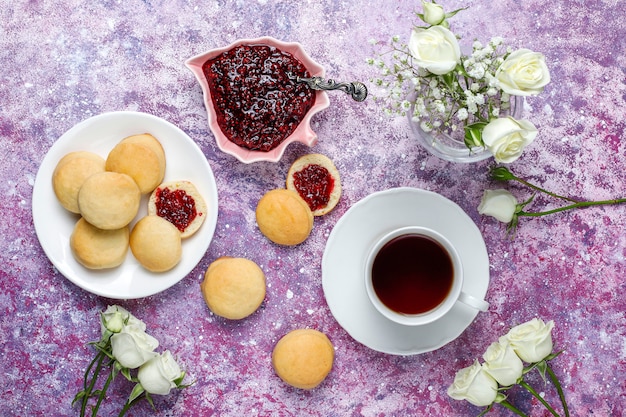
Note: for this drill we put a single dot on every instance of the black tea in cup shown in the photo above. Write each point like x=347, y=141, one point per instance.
x=412, y=274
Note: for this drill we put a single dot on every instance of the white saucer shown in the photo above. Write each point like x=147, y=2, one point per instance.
x=54, y=224
x=345, y=255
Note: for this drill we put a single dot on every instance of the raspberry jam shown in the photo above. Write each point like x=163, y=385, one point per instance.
x=315, y=184
x=256, y=103
x=176, y=206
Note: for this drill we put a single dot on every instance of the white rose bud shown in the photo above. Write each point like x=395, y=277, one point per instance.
x=500, y=204
x=474, y=385
x=132, y=347
x=506, y=138
x=523, y=73
x=532, y=341
x=435, y=49
x=113, y=319
x=502, y=363
x=433, y=13
x=157, y=376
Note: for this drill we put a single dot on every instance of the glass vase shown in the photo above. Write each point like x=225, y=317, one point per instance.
x=451, y=147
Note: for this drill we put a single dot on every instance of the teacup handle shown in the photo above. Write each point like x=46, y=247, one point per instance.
x=473, y=302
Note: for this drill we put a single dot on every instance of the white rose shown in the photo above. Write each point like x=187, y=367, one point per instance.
x=114, y=318
x=523, y=73
x=506, y=138
x=502, y=363
x=433, y=13
x=157, y=376
x=132, y=347
x=435, y=49
x=474, y=385
x=532, y=341
x=500, y=204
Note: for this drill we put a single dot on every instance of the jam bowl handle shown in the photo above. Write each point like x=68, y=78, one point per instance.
x=356, y=89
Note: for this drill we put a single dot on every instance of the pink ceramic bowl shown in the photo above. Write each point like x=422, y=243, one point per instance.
x=303, y=133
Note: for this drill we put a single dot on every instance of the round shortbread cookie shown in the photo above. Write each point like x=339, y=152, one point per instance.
x=180, y=203
x=138, y=161
x=233, y=288
x=70, y=173
x=303, y=358
x=149, y=141
x=109, y=200
x=96, y=248
x=284, y=217
x=316, y=179
x=156, y=244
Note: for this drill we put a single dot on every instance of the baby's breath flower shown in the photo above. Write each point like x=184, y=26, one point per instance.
x=477, y=71
x=466, y=97
x=469, y=62
x=496, y=41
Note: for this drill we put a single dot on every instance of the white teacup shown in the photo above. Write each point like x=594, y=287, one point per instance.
x=414, y=276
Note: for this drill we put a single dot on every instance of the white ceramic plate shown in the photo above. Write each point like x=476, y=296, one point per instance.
x=54, y=224
x=343, y=268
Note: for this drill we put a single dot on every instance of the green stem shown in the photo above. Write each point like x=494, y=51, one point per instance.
x=536, y=395
x=579, y=204
x=127, y=406
x=103, y=391
x=534, y=187
x=559, y=389
x=513, y=408
x=98, y=360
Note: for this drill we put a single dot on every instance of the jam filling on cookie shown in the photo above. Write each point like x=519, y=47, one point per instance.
x=315, y=184
x=176, y=206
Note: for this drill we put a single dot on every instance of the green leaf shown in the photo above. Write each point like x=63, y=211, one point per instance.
x=553, y=355
x=149, y=398
x=452, y=13
x=474, y=134
x=541, y=367
x=500, y=173
x=136, y=393
x=178, y=381
x=486, y=410
x=126, y=373
x=500, y=397
x=78, y=397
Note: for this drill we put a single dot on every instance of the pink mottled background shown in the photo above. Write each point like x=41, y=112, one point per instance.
x=65, y=61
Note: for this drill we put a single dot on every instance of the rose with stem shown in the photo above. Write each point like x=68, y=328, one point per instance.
x=125, y=346
x=505, y=207
x=484, y=384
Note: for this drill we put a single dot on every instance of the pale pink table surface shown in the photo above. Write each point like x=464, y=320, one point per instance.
x=65, y=61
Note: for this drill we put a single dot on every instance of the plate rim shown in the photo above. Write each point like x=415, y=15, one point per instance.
x=146, y=123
